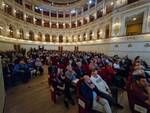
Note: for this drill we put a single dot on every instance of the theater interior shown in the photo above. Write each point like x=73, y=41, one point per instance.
x=74, y=56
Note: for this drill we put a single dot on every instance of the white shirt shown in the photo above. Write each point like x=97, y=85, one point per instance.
x=116, y=66
x=100, y=84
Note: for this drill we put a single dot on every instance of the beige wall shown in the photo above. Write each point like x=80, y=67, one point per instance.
x=131, y=46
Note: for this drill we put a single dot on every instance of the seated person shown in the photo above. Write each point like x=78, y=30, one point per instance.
x=119, y=80
x=70, y=74
x=39, y=65
x=106, y=92
x=107, y=73
x=24, y=71
x=91, y=94
x=79, y=70
x=6, y=75
x=141, y=89
x=58, y=79
x=31, y=67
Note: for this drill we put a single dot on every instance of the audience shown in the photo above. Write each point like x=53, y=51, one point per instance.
x=141, y=88
x=106, y=92
x=66, y=67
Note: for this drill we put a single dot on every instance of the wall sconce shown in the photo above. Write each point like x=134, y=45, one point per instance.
x=3, y=4
x=18, y=32
x=27, y=34
x=147, y=45
x=116, y=45
x=1, y=28
x=15, y=11
x=130, y=45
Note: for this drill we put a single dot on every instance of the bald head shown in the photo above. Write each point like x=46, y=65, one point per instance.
x=86, y=79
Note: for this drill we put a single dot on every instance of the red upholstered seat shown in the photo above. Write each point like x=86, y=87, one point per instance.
x=135, y=105
x=86, y=69
x=107, y=73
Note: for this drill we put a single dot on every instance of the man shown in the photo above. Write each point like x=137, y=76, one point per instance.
x=91, y=94
x=39, y=66
x=106, y=92
x=70, y=74
x=141, y=89
x=79, y=70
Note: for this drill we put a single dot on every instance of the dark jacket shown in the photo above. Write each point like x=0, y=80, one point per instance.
x=87, y=93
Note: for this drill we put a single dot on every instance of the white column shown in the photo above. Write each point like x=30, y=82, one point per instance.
x=2, y=4
x=95, y=3
x=145, y=19
x=43, y=37
x=33, y=14
x=123, y=27
x=14, y=11
x=24, y=10
x=50, y=38
x=50, y=18
x=94, y=34
x=104, y=7
x=42, y=17
x=148, y=20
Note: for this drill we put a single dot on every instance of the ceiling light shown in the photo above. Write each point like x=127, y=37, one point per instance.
x=90, y=1
x=73, y=11
x=134, y=19
x=1, y=27
x=112, y=3
x=3, y=4
x=41, y=9
x=36, y=7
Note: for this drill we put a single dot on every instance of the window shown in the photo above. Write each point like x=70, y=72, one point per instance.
x=19, y=2
x=47, y=38
x=60, y=38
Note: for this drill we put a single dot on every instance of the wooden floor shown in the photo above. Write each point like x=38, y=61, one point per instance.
x=34, y=97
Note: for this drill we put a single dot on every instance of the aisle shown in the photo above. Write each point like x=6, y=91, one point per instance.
x=34, y=97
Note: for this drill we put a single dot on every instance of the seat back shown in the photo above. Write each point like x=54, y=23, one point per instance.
x=129, y=93
x=135, y=105
x=83, y=105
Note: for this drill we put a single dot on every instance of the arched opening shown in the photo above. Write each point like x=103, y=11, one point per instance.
x=67, y=40
x=11, y=31
x=47, y=37
x=107, y=31
x=60, y=38
x=98, y=34
x=84, y=37
x=91, y=35
x=31, y=35
x=78, y=38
